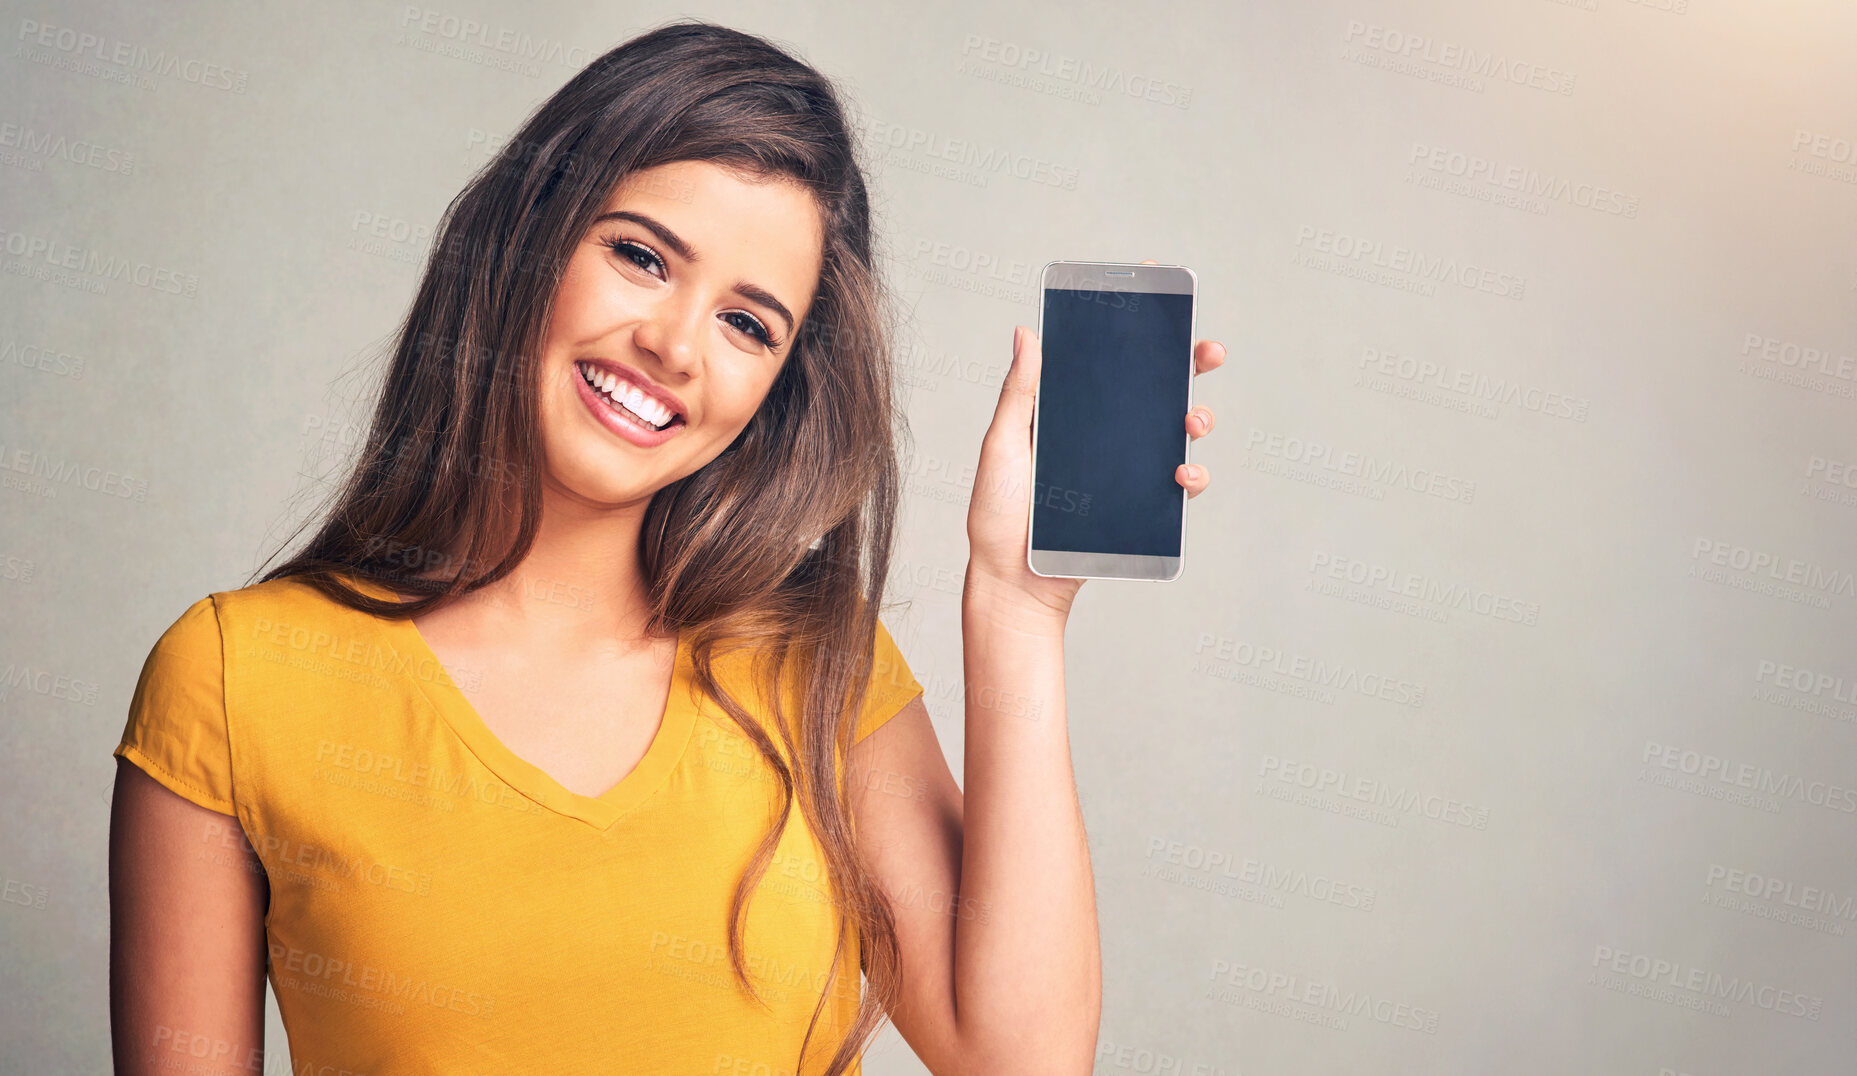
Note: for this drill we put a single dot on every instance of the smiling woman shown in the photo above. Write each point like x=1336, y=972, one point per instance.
x=651, y=266
x=568, y=741
x=628, y=359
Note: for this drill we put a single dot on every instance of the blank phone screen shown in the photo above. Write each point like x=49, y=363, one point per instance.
x=1112, y=399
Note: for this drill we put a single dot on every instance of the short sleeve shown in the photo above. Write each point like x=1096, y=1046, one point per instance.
x=176, y=732
x=892, y=685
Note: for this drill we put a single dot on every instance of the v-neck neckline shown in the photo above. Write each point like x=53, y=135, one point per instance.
x=675, y=726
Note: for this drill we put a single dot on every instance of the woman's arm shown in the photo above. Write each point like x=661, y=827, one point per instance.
x=995, y=903
x=995, y=907
x=187, y=949
x=1028, y=977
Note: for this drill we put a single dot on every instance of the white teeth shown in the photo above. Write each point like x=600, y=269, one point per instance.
x=628, y=396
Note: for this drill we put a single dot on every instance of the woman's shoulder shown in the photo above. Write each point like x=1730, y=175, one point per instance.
x=276, y=607
x=191, y=713
x=891, y=683
x=286, y=604
x=300, y=637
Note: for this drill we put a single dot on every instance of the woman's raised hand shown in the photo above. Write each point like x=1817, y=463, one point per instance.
x=999, y=513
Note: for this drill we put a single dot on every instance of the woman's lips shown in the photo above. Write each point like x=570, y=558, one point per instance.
x=610, y=416
x=605, y=374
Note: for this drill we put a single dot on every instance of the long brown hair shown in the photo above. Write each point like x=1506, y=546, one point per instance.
x=780, y=544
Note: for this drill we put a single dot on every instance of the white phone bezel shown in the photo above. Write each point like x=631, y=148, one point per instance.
x=1144, y=279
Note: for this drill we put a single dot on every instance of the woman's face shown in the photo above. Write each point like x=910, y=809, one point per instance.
x=683, y=299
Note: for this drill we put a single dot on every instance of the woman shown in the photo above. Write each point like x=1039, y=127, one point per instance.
x=571, y=741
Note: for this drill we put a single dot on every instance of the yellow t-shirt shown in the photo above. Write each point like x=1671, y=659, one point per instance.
x=440, y=905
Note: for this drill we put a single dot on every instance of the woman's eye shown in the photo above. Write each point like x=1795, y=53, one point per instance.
x=635, y=253
x=645, y=258
x=753, y=327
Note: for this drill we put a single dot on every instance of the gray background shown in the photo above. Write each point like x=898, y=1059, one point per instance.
x=1671, y=433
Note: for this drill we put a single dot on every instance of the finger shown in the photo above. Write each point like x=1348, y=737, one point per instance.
x=1199, y=421
x=1020, y=385
x=1194, y=477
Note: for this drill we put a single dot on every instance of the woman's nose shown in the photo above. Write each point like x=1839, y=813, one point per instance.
x=672, y=331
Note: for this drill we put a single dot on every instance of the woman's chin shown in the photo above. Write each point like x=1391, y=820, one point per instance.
x=602, y=485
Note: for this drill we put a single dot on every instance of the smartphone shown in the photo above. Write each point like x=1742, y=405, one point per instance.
x=1109, y=420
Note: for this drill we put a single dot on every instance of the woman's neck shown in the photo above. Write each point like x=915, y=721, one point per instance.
x=580, y=586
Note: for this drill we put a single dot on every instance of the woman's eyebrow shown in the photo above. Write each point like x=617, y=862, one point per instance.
x=665, y=235
x=756, y=293
x=751, y=292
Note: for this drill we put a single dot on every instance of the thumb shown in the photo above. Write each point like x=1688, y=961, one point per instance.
x=1019, y=388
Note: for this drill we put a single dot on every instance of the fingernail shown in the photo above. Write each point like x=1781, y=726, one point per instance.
x=1194, y=470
